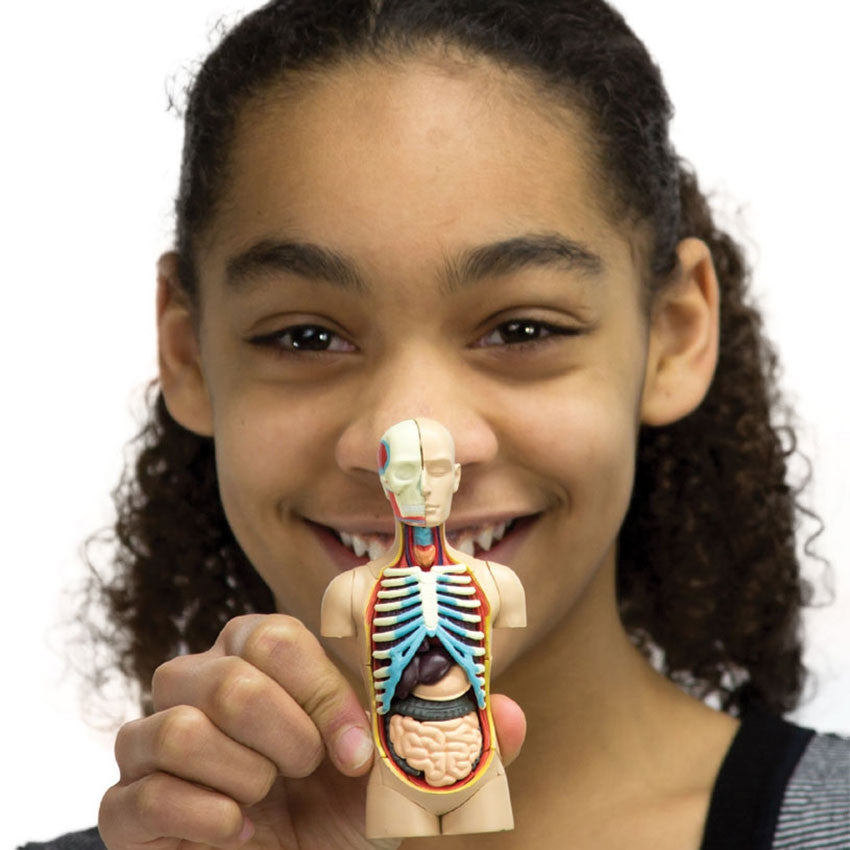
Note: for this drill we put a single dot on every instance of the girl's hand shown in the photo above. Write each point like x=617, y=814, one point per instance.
x=260, y=742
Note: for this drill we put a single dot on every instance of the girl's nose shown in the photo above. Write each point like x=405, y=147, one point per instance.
x=417, y=384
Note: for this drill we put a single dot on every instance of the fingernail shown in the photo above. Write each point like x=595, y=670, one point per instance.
x=353, y=747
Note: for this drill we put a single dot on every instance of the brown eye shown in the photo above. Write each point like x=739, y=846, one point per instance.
x=525, y=331
x=521, y=331
x=303, y=338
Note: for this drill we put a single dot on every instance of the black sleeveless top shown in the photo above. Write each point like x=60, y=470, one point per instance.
x=780, y=787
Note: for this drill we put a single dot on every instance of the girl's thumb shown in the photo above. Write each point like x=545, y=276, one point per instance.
x=510, y=726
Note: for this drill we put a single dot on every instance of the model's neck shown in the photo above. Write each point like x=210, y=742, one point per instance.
x=422, y=546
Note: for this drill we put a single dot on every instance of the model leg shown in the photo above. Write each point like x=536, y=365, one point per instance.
x=488, y=810
x=389, y=814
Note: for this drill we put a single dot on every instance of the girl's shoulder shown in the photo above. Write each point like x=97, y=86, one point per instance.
x=781, y=786
x=815, y=810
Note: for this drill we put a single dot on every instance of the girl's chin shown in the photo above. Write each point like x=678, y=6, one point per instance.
x=502, y=552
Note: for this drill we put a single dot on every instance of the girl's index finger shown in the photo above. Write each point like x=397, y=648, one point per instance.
x=287, y=651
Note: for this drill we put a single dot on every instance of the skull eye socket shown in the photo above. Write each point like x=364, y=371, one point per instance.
x=404, y=473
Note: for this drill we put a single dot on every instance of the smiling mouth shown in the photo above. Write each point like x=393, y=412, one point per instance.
x=472, y=540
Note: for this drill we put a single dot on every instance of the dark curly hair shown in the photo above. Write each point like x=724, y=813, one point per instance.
x=708, y=576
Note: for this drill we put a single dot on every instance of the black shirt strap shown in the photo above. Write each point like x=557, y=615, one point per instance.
x=751, y=783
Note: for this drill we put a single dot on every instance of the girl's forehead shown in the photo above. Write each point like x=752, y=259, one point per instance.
x=410, y=156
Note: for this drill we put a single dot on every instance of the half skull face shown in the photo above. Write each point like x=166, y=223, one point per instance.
x=418, y=471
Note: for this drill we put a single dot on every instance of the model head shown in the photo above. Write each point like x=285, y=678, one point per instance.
x=416, y=464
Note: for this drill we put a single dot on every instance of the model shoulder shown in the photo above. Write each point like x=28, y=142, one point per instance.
x=511, y=597
x=337, y=608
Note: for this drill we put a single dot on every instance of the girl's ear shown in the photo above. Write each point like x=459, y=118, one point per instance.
x=683, y=338
x=181, y=377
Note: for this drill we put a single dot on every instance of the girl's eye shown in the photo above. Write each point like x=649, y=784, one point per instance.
x=524, y=331
x=303, y=338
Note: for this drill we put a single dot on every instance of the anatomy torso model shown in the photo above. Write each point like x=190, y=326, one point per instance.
x=423, y=615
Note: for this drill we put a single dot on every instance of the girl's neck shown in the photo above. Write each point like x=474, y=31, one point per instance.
x=602, y=718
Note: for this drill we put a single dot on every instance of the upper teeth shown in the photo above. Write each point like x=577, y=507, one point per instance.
x=376, y=545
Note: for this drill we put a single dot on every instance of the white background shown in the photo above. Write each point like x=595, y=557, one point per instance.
x=89, y=159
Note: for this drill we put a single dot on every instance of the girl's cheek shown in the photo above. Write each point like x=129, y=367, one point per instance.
x=582, y=422
x=264, y=429
x=266, y=454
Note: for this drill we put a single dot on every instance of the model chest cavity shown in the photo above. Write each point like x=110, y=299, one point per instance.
x=443, y=602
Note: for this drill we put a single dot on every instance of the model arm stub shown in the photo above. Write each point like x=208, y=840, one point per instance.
x=423, y=615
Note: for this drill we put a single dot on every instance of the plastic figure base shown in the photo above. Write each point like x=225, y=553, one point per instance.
x=484, y=807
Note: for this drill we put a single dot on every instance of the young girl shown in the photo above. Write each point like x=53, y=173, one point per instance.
x=468, y=211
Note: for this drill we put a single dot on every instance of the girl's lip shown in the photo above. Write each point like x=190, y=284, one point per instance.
x=502, y=552
x=343, y=558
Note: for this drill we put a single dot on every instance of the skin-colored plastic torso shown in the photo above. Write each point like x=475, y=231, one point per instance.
x=438, y=772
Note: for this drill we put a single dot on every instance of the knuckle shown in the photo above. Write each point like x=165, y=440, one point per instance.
x=260, y=784
x=161, y=676
x=313, y=755
x=109, y=813
x=125, y=741
x=233, y=634
x=308, y=756
x=278, y=637
x=266, y=778
x=165, y=677
x=327, y=696
x=150, y=801
x=226, y=820
x=241, y=689
x=330, y=700
x=180, y=734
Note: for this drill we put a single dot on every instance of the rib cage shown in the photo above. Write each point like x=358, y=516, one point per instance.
x=443, y=602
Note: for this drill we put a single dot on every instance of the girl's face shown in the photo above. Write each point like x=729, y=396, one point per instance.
x=421, y=240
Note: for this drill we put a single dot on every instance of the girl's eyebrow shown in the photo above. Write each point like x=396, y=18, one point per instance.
x=511, y=255
x=317, y=263
x=305, y=259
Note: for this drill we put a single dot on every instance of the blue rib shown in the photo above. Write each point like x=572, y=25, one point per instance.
x=459, y=651
x=458, y=630
x=403, y=581
x=458, y=614
x=453, y=600
x=400, y=656
x=399, y=633
x=403, y=616
x=401, y=601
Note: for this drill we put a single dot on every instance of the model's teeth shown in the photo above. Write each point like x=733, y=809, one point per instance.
x=359, y=545
x=467, y=545
x=499, y=531
x=346, y=538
